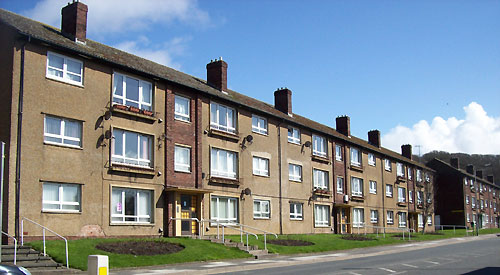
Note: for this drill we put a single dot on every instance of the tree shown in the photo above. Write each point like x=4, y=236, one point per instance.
x=428, y=198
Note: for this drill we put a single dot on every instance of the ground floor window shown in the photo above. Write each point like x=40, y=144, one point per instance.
x=321, y=215
x=390, y=217
x=420, y=220
x=358, y=218
x=224, y=209
x=61, y=197
x=374, y=216
x=429, y=220
x=131, y=205
x=261, y=209
x=402, y=219
x=296, y=211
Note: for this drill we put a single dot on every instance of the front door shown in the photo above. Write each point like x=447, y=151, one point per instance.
x=344, y=221
x=188, y=210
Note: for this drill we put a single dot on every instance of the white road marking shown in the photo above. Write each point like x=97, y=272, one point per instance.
x=387, y=269
x=431, y=262
x=409, y=265
x=217, y=264
x=354, y=273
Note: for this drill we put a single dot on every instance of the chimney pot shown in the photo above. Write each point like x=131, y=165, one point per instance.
x=74, y=21
x=343, y=125
x=406, y=151
x=283, y=100
x=470, y=169
x=455, y=162
x=374, y=138
x=217, y=74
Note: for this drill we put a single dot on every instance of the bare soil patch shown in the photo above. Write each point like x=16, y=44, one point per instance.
x=290, y=242
x=140, y=247
x=353, y=237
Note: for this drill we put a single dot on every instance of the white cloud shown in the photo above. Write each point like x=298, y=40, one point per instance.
x=478, y=133
x=110, y=16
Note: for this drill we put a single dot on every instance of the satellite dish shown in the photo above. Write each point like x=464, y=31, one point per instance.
x=108, y=134
x=249, y=138
x=307, y=144
x=248, y=191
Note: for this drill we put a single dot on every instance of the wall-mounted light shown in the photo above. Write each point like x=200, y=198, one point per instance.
x=160, y=120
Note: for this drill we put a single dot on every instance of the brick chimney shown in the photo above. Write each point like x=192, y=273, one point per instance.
x=217, y=74
x=374, y=138
x=455, y=163
x=74, y=21
x=470, y=169
x=479, y=174
x=283, y=100
x=490, y=178
x=343, y=125
x=406, y=151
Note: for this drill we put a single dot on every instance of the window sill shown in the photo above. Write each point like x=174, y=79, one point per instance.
x=132, y=169
x=373, y=193
x=371, y=164
x=356, y=168
x=261, y=176
x=62, y=80
x=225, y=135
x=181, y=171
x=183, y=120
x=62, y=145
x=320, y=159
x=294, y=143
x=227, y=181
x=125, y=110
x=256, y=218
x=296, y=219
x=321, y=226
x=357, y=198
x=400, y=179
x=322, y=192
x=131, y=223
x=259, y=133
x=295, y=181
x=60, y=212
x=403, y=204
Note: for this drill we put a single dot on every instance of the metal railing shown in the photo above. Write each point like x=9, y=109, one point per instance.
x=454, y=228
x=364, y=227
x=43, y=234
x=242, y=226
x=15, y=246
x=190, y=219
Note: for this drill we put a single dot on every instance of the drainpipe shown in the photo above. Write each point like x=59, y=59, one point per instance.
x=279, y=177
x=19, y=134
x=383, y=194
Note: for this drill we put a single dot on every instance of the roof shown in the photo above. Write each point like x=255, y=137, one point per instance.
x=127, y=61
x=461, y=171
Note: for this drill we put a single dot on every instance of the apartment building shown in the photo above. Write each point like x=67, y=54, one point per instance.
x=104, y=143
x=464, y=196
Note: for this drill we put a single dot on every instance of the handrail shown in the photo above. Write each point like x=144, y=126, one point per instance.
x=261, y=230
x=231, y=225
x=15, y=246
x=43, y=233
x=403, y=229
x=454, y=228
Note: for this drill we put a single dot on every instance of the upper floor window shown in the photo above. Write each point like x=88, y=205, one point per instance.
x=63, y=68
x=410, y=196
x=373, y=187
x=320, y=179
x=388, y=190
x=356, y=187
x=294, y=172
x=293, y=135
x=61, y=197
x=223, y=163
x=132, y=92
x=62, y=131
x=259, y=125
x=131, y=205
x=338, y=152
x=420, y=197
x=260, y=166
x=355, y=156
x=400, y=170
x=182, y=159
x=131, y=148
x=401, y=194
x=319, y=146
x=340, y=185
x=181, y=111
x=222, y=118
x=371, y=159
x=387, y=165
x=261, y=209
x=419, y=175
x=467, y=199
x=427, y=177
x=409, y=173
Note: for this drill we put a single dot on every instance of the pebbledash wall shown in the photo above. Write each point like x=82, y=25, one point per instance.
x=104, y=143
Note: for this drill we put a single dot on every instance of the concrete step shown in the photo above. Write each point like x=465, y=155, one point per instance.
x=44, y=264
x=24, y=258
x=61, y=270
x=267, y=256
x=258, y=252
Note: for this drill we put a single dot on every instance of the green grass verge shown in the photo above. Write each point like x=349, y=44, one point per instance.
x=195, y=250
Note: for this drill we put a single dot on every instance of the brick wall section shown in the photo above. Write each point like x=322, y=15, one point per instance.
x=338, y=171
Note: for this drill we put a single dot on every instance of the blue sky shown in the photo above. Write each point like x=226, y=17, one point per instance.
x=422, y=72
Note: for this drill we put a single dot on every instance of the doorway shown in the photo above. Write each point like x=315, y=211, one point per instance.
x=188, y=210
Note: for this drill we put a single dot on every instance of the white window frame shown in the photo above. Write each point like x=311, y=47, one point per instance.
x=358, y=217
x=410, y=196
x=389, y=190
x=137, y=208
x=215, y=109
x=297, y=213
x=179, y=166
x=419, y=175
x=420, y=197
x=61, y=134
x=61, y=203
x=259, y=124
x=373, y=216
x=402, y=219
x=293, y=135
x=216, y=165
x=400, y=169
x=320, y=146
x=409, y=171
x=473, y=202
x=465, y=181
x=429, y=220
x=387, y=165
x=64, y=71
x=372, y=160
x=340, y=185
x=215, y=213
x=321, y=215
x=468, y=217
x=338, y=152
x=320, y=179
x=390, y=217
x=123, y=159
x=427, y=177
x=373, y=187
x=356, y=157
x=260, y=166
x=261, y=213
x=295, y=172
x=401, y=194
x=179, y=115
x=356, y=187
x=122, y=99
x=420, y=221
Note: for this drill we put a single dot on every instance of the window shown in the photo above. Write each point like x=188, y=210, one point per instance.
x=371, y=159
x=181, y=111
x=468, y=217
x=427, y=177
x=387, y=165
x=402, y=219
x=355, y=157
x=259, y=125
x=400, y=170
x=132, y=92
x=320, y=179
x=356, y=187
x=410, y=196
x=429, y=220
x=340, y=185
x=182, y=159
x=338, y=152
x=131, y=205
x=473, y=202
x=373, y=187
x=388, y=190
x=294, y=172
x=319, y=146
x=63, y=68
x=260, y=166
x=409, y=173
x=293, y=135
x=358, y=217
x=420, y=197
x=373, y=216
x=419, y=175
x=261, y=209
x=420, y=220
x=465, y=181
x=224, y=209
x=62, y=131
x=222, y=118
x=321, y=215
x=390, y=217
x=296, y=211
x=131, y=148
x=223, y=163
x=401, y=194
x=61, y=197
